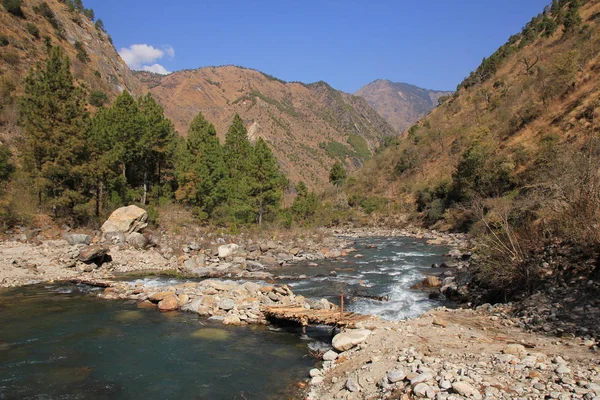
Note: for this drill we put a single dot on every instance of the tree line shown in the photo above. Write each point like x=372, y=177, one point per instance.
x=82, y=166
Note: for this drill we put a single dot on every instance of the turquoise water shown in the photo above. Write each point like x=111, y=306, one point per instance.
x=58, y=342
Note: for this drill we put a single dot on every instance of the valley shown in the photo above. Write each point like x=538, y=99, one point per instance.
x=172, y=229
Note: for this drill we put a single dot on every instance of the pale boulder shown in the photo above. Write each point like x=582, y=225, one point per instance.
x=350, y=338
x=126, y=219
x=228, y=250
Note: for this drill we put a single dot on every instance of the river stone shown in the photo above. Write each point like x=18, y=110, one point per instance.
x=201, y=272
x=514, y=349
x=421, y=389
x=169, y=303
x=350, y=338
x=93, y=253
x=433, y=281
x=193, y=306
x=226, y=304
x=317, y=380
x=228, y=250
x=78, y=238
x=126, y=219
x=114, y=237
x=232, y=320
x=424, y=377
x=315, y=372
x=330, y=355
x=464, y=389
x=352, y=386
x=156, y=297
x=562, y=369
x=396, y=375
x=136, y=240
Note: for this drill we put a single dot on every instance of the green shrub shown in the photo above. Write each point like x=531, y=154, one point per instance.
x=360, y=146
x=14, y=7
x=82, y=55
x=98, y=98
x=33, y=30
x=4, y=41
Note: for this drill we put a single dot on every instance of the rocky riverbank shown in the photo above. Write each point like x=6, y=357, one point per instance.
x=456, y=354
x=124, y=246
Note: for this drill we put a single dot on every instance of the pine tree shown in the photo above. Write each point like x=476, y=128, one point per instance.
x=305, y=204
x=54, y=120
x=337, y=175
x=238, y=158
x=155, y=144
x=201, y=168
x=267, y=182
x=237, y=148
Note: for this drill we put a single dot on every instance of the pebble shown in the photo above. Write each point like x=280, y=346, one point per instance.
x=396, y=375
x=352, y=386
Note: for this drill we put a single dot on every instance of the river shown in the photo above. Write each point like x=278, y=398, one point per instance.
x=61, y=342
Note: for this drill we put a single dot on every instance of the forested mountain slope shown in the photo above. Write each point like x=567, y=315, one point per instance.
x=309, y=126
x=28, y=29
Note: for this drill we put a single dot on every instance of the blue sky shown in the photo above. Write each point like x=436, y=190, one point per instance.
x=347, y=43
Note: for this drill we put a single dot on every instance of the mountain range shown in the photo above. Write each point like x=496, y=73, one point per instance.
x=308, y=126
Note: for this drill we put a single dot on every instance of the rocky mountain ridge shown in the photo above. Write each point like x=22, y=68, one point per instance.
x=308, y=126
x=401, y=104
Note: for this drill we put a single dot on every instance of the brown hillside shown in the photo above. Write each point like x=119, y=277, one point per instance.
x=542, y=90
x=401, y=104
x=24, y=41
x=308, y=126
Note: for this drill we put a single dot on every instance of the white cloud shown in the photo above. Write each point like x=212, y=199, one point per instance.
x=156, y=68
x=144, y=57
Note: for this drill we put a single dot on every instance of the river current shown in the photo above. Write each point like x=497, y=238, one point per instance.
x=61, y=342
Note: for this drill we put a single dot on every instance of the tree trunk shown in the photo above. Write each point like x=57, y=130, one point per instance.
x=145, y=187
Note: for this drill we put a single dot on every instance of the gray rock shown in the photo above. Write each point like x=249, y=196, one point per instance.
x=78, y=238
x=464, y=389
x=424, y=377
x=254, y=266
x=315, y=372
x=445, y=385
x=421, y=389
x=114, y=237
x=396, y=375
x=136, y=240
x=330, y=355
x=201, y=272
x=228, y=250
x=562, y=369
x=317, y=380
x=352, y=385
x=226, y=304
x=350, y=338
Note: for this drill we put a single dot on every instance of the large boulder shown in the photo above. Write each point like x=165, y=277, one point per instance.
x=228, y=250
x=94, y=253
x=126, y=219
x=350, y=338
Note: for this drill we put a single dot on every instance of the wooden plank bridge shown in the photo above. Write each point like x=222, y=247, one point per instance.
x=302, y=316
